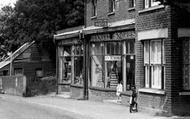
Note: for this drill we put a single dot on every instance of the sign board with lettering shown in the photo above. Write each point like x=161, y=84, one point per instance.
x=112, y=58
x=101, y=23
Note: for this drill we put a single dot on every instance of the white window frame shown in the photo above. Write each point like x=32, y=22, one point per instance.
x=154, y=63
x=112, y=6
x=94, y=8
x=151, y=3
x=132, y=3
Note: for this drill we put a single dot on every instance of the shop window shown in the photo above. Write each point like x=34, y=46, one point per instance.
x=65, y=64
x=18, y=71
x=97, y=64
x=113, y=48
x=131, y=3
x=186, y=64
x=78, y=64
x=112, y=5
x=113, y=66
x=94, y=8
x=113, y=71
x=106, y=65
x=151, y=3
x=154, y=62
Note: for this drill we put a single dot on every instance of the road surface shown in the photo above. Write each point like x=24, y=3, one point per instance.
x=14, y=109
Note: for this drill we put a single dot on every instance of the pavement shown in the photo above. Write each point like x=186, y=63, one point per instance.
x=87, y=108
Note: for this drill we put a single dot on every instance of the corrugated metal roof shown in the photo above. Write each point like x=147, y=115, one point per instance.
x=15, y=54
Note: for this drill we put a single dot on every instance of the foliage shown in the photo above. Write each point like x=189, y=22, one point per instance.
x=37, y=20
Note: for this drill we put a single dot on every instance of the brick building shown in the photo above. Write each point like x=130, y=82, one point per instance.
x=162, y=51
x=142, y=43
x=111, y=47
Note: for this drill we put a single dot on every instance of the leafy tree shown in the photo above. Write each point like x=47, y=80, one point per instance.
x=37, y=20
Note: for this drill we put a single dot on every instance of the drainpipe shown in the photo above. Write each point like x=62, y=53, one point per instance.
x=85, y=95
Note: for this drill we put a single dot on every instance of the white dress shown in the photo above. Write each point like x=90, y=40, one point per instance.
x=119, y=89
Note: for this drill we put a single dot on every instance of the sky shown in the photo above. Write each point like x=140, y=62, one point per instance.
x=7, y=2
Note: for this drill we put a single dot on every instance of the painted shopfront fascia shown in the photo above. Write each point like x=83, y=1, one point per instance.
x=103, y=62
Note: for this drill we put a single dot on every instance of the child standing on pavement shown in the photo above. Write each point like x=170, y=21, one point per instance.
x=119, y=89
x=133, y=100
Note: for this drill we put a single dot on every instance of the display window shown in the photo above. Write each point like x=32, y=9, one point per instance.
x=71, y=64
x=113, y=62
x=97, y=65
x=65, y=64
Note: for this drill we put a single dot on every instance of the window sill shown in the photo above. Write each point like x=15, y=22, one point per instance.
x=131, y=9
x=111, y=13
x=93, y=17
x=152, y=91
x=151, y=9
x=184, y=93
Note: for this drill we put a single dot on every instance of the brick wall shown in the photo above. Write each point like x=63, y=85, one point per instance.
x=166, y=17
x=122, y=11
x=99, y=94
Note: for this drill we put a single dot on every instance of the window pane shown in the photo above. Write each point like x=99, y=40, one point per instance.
x=130, y=46
x=97, y=49
x=96, y=71
x=147, y=79
x=155, y=2
x=163, y=52
x=156, y=77
x=131, y=3
x=113, y=73
x=78, y=50
x=146, y=3
x=111, y=5
x=113, y=48
x=65, y=71
x=146, y=52
x=94, y=7
x=155, y=52
x=78, y=70
x=66, y=51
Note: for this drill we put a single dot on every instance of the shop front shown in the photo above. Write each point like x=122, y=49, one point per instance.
x=112, y=61
x=70, y=65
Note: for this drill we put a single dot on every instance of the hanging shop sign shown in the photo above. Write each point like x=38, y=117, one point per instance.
x=101, y=22
x=112, y=58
